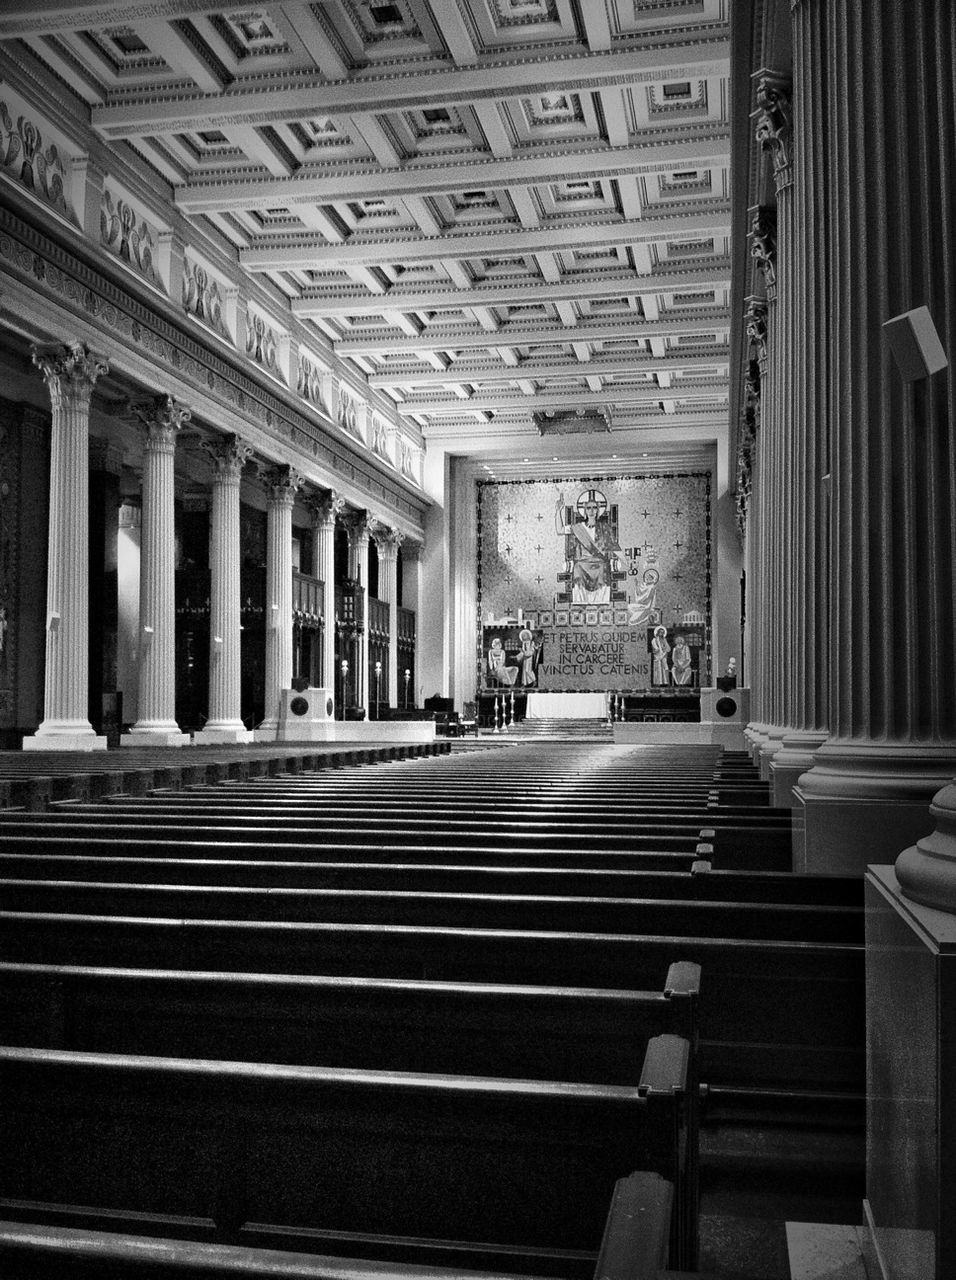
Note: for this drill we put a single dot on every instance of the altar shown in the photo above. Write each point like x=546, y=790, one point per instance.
x=566, y=706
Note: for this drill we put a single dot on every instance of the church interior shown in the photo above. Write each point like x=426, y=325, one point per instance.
x=477, y=631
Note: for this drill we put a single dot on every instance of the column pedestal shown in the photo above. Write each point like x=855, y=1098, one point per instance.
x=911, y=1111
x=863, y=802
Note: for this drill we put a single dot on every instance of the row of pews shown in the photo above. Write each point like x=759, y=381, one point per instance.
x=428, y=1017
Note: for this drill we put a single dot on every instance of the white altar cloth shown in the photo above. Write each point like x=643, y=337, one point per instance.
x=566, y=706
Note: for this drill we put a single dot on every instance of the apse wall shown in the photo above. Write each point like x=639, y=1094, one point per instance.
x=594, y=583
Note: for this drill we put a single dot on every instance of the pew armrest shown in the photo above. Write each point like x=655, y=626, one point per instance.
x=683, y=979
x=637, y=1233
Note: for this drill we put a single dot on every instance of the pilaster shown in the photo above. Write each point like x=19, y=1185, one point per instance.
x=70, y=372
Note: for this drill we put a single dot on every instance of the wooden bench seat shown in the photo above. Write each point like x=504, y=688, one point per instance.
x=635, y=1246
x=544, y=1033
x=601, y=915
x=688, y=879
x=309, y=1157
x=777, y=1015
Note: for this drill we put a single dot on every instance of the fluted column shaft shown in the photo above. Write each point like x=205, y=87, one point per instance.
x=889, y=198
x=70, y=373
x=387, y=542
x=806, y=700
x=161, y=419
x=412, y=594
x=283, y=484
x=358, y=570
x=324, y=513
x=225, y=691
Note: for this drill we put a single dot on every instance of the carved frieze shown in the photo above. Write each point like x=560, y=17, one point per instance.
x=37, y=168
x=129, y=237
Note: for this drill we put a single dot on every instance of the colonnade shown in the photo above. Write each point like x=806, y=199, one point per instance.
x=70, y=372
x=851, y=520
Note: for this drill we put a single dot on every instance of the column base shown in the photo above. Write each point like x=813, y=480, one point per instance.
x=794, y=758
x=863, y=802
x=771, y=744
x=222, y=737
x=268, y=731
x=756, y=735
x=65, y=742
x=927, y=870
x=154, y=738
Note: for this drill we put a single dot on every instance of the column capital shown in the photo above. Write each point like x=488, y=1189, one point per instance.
x=162, y=418
x=763, y=246
x=412, y=550
x=755, y=318
x=326, y=508
x=774, y=122
x=229, y=455
x=387, y=539
x=283, y=483
x=70, y=370
x=357, y=525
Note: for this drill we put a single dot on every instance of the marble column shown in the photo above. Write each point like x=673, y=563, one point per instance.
x=759, y=583
x=387, y=542
x=224, y=724
x=885, y=105
x=283, y=483
x=358, y=531
x=162, y=419
x=70, y=372
x=797, y=142
x=412, y=598
x=325, y=510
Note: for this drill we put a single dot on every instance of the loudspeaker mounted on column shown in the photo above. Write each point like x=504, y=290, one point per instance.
x=305, y=715
x=915, y=344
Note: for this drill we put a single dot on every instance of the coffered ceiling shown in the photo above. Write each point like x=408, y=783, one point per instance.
x=511, y=215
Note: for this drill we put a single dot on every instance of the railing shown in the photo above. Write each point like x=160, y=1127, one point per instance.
x=308, y=599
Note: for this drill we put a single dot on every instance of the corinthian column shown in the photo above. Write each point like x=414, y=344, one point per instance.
x=387, y=542
x=70, y=372
x=161, y=419
x=805, y=715
x=283, y=483
x=224, y=724
x=358, y=530
x=885, y=107
x=324, y=513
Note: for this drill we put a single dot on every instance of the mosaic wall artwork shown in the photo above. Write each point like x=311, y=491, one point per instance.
x=599, y=583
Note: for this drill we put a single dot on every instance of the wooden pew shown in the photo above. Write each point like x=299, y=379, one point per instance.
x=803, y=922
x=635, y=1246
x=778, y=1016
x=327, y=1159
x=545, y=1033
x=690, y=878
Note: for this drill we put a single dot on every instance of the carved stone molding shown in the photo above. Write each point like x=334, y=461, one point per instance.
x=774, y=123
x=70, y=370
x=763, y=247
x=326, y=508
x=162, y=417
x=283, y=483
x=229, y=455
x=755, y=318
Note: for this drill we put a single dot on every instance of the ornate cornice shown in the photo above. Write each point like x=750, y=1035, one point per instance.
x=47, y=266
x=773, y=119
